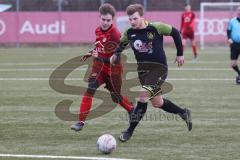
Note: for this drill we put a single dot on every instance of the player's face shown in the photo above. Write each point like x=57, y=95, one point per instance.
x=106, y=21
x=136, y=20
x=188, y=8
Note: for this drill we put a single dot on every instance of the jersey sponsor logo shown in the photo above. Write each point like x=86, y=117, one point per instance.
x=143, y=47
x=187, y=19
x=2, y=27
x=137, y=44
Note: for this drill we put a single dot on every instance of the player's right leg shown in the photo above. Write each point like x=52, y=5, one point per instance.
x=236, y=68
x=235, y=51
x=154, y=79
x=184, y=42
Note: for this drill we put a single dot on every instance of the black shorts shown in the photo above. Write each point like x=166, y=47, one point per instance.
x=235, y=50
x=151, y=73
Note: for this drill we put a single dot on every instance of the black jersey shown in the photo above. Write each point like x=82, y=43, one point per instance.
x=147, y=43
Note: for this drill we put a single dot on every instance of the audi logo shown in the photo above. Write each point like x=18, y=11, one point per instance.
x=2, y=27
x=212, y=26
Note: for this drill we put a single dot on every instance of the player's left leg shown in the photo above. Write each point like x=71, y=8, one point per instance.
x=170, y=107
x=113, y=83
x=194, y=46
x=184, y=39
x=149, y=74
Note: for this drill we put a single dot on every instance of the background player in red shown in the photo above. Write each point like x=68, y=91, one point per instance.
x=187, y=28
x=107, y=39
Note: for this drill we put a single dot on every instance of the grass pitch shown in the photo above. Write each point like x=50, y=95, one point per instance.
x=28, y=124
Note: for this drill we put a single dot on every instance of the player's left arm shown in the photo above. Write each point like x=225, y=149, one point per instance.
x=229, y=32
x=193, y=17
x=168, y=30
x=178, y=43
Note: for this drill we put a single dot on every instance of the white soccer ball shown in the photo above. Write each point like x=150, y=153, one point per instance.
x=106, y=143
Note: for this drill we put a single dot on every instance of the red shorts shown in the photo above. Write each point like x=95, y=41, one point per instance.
x=108, y=74
x=188, y=34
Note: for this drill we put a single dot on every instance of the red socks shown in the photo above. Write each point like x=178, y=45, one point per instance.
x=85, y=107
x=126, y=104
x=87, y=103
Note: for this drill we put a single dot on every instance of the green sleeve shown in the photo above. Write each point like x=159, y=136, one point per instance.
x=162, y=28
x=124, y=38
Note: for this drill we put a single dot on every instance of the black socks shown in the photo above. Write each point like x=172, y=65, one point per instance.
x=235, y=68
x=137, y=115
x=170, y=107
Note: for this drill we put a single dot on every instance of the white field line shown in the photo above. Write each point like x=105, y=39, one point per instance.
x=29, y=64
x=59, y=157
x=78, y=79
x=82, y=69
x=58, y=63
x=38, y=69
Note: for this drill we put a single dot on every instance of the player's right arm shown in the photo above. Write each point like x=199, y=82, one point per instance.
x=122, y=45
x=89, y=54
x=92, y=52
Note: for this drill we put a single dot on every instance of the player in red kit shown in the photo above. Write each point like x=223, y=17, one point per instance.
x=107, y=39
x=187, y=29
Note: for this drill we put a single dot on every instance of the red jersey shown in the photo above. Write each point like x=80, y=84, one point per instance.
x=106, y=41
x=187, y=22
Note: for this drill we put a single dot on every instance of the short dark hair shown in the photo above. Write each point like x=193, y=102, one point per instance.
x=131, y=9
x=107, y=8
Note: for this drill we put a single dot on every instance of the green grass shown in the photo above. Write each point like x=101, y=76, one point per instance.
x=28, y=124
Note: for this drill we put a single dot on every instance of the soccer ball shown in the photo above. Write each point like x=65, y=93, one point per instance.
x=106, y=143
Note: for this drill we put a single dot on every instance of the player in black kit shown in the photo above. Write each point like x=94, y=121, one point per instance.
x=146, y=40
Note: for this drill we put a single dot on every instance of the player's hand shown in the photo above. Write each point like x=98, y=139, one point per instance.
x=85, y=57
x=230, y=41
x=179, y=60
x=113, y=59
x=94, y=53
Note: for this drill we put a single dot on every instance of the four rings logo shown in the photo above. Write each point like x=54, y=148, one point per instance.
x=2, y=27
x=212, y=27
